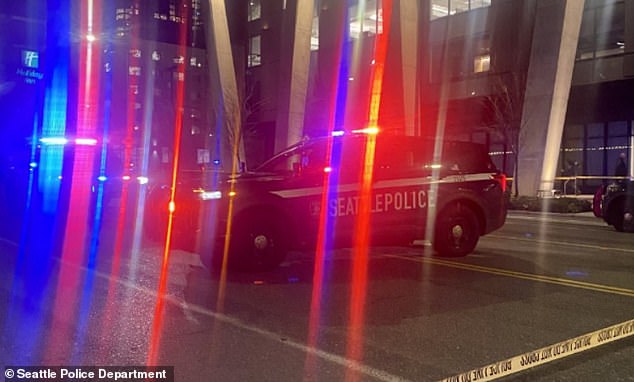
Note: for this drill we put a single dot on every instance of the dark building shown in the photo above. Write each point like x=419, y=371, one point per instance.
x=550, y=80
x=548, y=83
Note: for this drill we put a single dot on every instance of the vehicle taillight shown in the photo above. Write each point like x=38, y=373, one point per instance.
x=501, y=178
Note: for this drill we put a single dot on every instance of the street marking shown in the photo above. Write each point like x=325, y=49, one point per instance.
x=181, y=303
x=546, y=354
x=563, y=243
x=520, y=275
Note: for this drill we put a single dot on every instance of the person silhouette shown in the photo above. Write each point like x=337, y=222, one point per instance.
x=621, y=167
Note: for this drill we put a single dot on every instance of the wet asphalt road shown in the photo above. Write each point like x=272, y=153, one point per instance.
x=540, y=280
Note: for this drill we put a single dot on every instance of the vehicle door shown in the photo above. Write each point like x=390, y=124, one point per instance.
x=302, y=172
x=342, y=209
x=400, y=189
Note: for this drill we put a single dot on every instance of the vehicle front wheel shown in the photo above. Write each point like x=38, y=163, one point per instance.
x=256, y=244
x=457, y=231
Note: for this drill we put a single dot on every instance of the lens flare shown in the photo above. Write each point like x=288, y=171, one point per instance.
x=157, y=324
x=69, y=284
x=360, y=264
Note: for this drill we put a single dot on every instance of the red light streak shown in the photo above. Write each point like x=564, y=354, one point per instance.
x=74, y=243
x=310, y=363
x=157, y=324
x=122, y=224
x=318, y=273
x=362, y=230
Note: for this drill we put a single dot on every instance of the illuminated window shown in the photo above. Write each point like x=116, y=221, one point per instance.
x=442, y=8
x=482, y=63
x=479, y=4
x=602, y=31
x=458, y=6
x=255, y=10
x=314, y=35
x=439, y=8
x=255, y=53
x=366, y=19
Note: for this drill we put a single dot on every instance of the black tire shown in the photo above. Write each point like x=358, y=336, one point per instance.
x=621, y=217
x=617, y=212
x=256, y=244
x=628, y=220
x=457, y=231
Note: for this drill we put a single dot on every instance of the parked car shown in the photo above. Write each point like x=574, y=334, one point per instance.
x=617, y=205
x=278, y=206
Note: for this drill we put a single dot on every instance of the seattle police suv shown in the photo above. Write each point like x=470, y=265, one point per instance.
x=279, y=206
x=617, y=205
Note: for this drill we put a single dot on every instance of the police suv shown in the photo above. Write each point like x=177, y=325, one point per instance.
x=256, y=217
x=617, y=205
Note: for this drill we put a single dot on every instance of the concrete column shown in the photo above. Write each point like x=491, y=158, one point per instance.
x=294, y=70
x=223, y=85
x=409, y=54
x=628, y=60
x=628, y=67
x=555, y=36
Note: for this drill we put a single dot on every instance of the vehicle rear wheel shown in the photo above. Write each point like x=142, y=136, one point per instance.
x=256, y=243
x=617, y=214
x=622, y=217
x=457, y=231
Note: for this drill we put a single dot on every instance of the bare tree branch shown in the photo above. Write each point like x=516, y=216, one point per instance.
x=506, y=105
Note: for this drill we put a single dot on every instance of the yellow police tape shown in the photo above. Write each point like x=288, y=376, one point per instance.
x=546, y=354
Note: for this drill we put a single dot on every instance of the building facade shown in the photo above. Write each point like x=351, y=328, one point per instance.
x=547, y=84
x=548, y=80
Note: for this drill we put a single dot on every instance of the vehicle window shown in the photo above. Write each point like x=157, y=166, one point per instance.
x=309, y=159
x=347, y=158
x=464, y=157
x=407, y=157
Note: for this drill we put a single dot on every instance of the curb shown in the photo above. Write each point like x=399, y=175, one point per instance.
x=585, y=218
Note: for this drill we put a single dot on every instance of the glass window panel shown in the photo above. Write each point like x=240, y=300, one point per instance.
x=482, y=63
x=573, y=131
x=314, y=36
x=617, y=129
x=610, y=18
x=439, y=8
x=255, y=10
x=367, y=19
x=594, y=156
x=458, y=6
x=610, y=30
x=616, y=146
x=595, y=130
x=480, y=3
x=255, y=55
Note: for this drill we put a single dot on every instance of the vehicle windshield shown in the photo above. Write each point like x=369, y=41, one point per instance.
x=304, y=158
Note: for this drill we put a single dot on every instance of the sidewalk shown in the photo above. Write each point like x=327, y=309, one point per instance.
x=586, y=218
